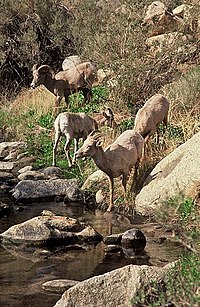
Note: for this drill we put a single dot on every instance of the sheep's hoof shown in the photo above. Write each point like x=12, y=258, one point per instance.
x=109, y=209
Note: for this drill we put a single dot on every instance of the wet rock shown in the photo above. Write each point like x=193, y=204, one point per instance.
x=76, y=195
x=5, y=210
x=59, y=285
x=31, y=189
x=113, y=248
x=135, y=239
x=113, y=239
x=50, y=230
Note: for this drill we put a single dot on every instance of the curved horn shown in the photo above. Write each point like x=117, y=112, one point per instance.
x=95, y=132
x=45, y=69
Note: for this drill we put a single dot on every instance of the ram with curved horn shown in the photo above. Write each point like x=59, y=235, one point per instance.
x=65, y=83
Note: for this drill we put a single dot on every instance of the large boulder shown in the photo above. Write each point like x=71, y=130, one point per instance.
x=175, y=174
x=115, y=288
x=31, y=189
x=50, y=229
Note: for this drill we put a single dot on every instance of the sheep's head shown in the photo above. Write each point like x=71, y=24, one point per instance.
x=109, y=118
x=88, y=149
x=40, y=73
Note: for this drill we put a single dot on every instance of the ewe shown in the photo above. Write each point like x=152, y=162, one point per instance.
x=73, y=126
x=153, y=113
x=117, y=159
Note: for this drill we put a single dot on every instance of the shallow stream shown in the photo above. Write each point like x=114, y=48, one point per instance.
x=23, y=271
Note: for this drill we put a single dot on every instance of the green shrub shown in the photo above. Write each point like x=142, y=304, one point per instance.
x=180, y=287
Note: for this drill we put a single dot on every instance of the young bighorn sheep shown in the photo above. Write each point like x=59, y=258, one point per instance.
x=65, y=83
x=73, y=126
x=153, y=113
x=117, y=159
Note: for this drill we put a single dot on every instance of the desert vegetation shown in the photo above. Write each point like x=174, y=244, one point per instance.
x=111, y=34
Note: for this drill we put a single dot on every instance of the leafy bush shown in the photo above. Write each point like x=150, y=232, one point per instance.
x=31, y=32
x=180, y=288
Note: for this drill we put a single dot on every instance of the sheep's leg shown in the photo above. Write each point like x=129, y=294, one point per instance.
x=124, y=182
x=57, y=103
x=165, y=121
x=158, y=136
x=145, y=147
x=75, y=149
x=67, y=100
x=57, y=138
x=66, y=149
x=111, y=183
x=87, y=93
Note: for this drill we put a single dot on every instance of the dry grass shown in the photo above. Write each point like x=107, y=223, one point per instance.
x=39, y=99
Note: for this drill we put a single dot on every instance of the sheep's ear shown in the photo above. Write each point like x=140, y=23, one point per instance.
x=99, y=143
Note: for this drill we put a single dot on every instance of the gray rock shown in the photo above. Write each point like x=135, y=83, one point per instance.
x=4, y=176
x=55, y=230
x=76, y=195
x=135, y=239
x=113, y=248
x=25, y=169
x=27, y=189
x=113, y=239
x=5, y=209
x=52, y=172
x=31, y=175
x=94, y=179
x=115, y=288
x=59, y=285
x=174, y=175
x=7, y=147
x=7, y=166
x=12, y=156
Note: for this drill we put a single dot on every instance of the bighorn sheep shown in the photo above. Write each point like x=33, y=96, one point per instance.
x=153, y=113
x=73, y=126
x=65, y=83
x=117, y=159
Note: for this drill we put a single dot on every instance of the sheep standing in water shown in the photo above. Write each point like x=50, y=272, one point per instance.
x=117, y=159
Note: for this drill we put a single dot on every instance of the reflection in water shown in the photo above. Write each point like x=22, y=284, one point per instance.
x=22, y=269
